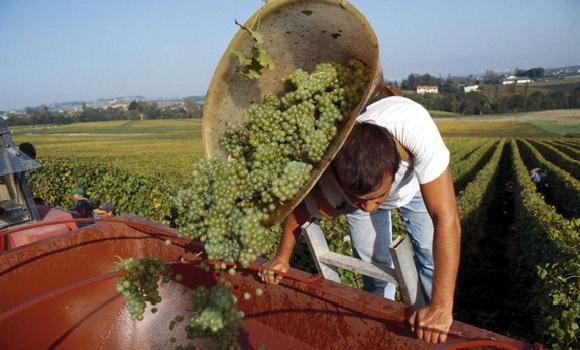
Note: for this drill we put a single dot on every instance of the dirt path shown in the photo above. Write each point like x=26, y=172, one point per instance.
x=492, y=294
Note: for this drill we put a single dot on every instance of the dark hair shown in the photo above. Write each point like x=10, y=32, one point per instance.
x=368, y=154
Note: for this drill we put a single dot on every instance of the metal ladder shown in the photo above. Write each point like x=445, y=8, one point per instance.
x=404, y=274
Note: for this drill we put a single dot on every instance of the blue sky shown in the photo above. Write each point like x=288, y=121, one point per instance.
x=61, y=50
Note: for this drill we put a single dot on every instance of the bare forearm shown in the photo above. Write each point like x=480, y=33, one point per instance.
x=292, y=230
x=287, y=243
x=446, y=247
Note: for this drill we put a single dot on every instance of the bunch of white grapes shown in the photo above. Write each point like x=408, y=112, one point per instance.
x=215, y=316
x=270, y=160
x=140, y=284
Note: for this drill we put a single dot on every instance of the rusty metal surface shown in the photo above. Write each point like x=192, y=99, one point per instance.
x=293, y=315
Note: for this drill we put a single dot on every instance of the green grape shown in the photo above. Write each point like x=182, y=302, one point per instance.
x=215, y=316
x=140, y=285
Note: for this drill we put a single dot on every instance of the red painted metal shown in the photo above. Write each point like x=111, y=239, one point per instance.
x=55, y=222
x=59, y=293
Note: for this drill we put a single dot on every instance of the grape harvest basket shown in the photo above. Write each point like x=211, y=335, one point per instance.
x=59, y=293
x=297, y=34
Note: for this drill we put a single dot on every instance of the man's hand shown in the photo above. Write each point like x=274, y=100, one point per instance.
x=431, y=323
x=277, y=264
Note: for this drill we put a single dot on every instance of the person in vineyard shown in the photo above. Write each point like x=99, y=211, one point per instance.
x=105, y=211
x=538, y=176
x=78, y=195
x=84, y=210
x=394, y=158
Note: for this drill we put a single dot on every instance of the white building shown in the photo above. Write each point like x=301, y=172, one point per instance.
x=470, y=88
x=427, y=89
x=512, y=79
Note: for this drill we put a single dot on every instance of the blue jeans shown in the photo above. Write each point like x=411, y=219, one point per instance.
x=371, y=235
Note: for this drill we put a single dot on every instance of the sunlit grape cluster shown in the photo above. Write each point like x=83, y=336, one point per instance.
x=215, y=316
x=294, y=175
x=140, y=284
x=270, y=160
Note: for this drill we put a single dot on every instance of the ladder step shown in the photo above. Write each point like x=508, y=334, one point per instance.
x=375, y=270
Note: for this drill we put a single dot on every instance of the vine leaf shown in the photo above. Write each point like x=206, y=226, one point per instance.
x=242, y=59
x=251, y=66
x=263, y=59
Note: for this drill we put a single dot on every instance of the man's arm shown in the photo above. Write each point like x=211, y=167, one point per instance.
x=432, y=323
x=292, y=230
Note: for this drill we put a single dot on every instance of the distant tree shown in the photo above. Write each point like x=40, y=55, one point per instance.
x=534, y=101
x=516, y=103
x=535, y=73
x=574, y=98
x=150, y=110
x=133, y=106
x=519, y=72
x=194, y=109
x=546, y=103
x=559, y=100
x=490, y=77
x=136, y=110
x=450, y=85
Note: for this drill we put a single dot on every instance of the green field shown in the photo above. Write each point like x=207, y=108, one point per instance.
x=149, y=146
x=527, y=124
x=170, y=146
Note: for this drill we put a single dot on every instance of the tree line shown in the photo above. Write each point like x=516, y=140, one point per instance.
x=136, y=110
x=493, y=99
x=478, y=103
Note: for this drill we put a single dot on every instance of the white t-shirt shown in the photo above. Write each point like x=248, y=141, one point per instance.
x=413, y=127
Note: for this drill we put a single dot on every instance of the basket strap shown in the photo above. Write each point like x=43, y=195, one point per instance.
x=386, y=90
x=403, y=153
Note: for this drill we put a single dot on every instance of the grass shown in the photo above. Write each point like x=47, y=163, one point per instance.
x=443, y=114
x=140, y=127
x=150, y=146
x=488, y=128
x=560, y=129
x=526, y=124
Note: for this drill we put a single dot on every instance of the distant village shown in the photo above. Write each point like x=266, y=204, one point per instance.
x=559, y=74
x=116, y=102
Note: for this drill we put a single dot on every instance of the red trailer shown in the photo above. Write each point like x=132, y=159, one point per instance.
x=59, y=293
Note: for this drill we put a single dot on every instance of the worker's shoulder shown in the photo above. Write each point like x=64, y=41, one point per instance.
x=392, y=107
x=395, y=101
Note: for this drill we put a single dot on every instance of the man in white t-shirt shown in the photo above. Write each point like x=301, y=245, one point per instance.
x=394, y=158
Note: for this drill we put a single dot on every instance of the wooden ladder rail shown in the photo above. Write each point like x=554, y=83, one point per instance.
x=404, y=274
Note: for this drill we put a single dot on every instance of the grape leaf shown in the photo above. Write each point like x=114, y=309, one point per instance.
x=260, y=55
x=242, y=59
x=251, y=66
